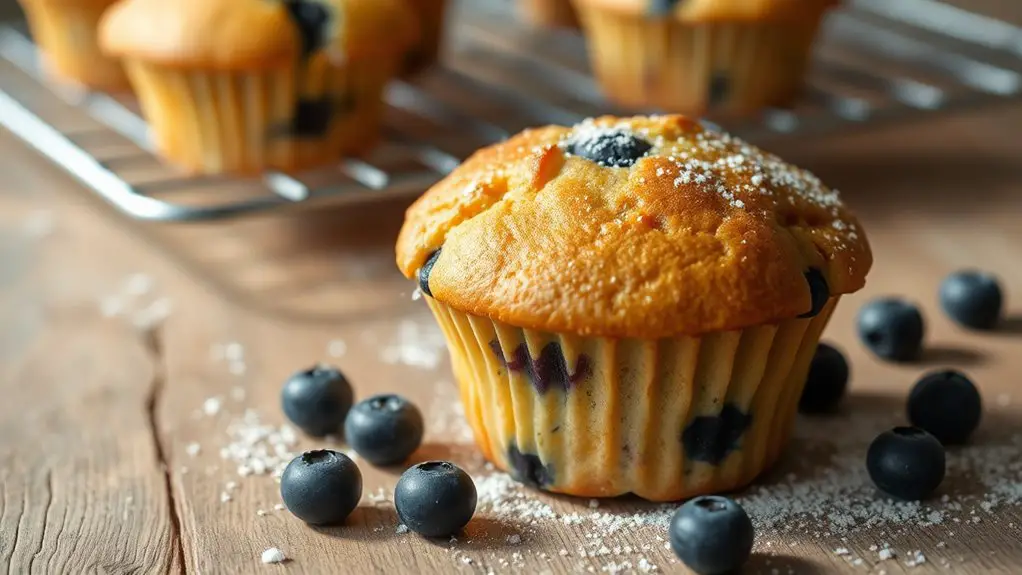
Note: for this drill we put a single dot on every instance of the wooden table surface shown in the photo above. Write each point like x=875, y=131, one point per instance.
x=113, y=417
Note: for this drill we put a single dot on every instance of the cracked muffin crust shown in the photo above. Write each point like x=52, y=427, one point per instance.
x=693, y=231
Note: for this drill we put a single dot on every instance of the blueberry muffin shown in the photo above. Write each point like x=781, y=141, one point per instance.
x=66, y=33
x=247, y=85
x=696, y=56
x=549, y=13
x=631, y=304
x=432, y=15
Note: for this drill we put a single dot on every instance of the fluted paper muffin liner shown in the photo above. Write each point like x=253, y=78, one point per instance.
x=287, y=118
x=697, y=67
x=665, y=419
x=67, y=36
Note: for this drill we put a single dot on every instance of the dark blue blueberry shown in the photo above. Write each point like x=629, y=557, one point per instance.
x=425, y=270
x=720, y=88
x=712, y=535
x=529, y=469
x=892, y=328
x=384, y=429
x=313, y=116
x=827, y=381
x=711, y=438
x=317, y=400
x=312, y=20
x=498, y=351
x=972, y=298
x=435, y=498
x=906, y=462
x=321, y=487
x=550, y=369
x=945, y=404
x=819, y=292
x=662, y=7
x=608, y=147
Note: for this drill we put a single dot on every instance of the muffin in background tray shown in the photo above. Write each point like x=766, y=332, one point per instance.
x=697, y=56
x=432, y=17
x=247, y=85
x=631, y=304
x=66, y=32
x=549, y=13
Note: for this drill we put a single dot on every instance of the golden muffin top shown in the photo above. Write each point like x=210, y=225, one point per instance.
x=254, y=34
x=720, y=10
x=632, y=227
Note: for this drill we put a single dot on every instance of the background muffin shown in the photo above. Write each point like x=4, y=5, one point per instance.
x=631, y=305
x=549, y=13
x=431, y=15
x=700, y=55
x=246, y=85
x=66, y=33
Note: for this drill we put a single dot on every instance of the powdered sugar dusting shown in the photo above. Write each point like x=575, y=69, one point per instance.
x=416, y=344
x=716, y=162
x=258, y=448
x=839, y=498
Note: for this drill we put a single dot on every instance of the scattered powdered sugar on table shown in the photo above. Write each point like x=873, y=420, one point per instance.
x=136, y=301
x=416, y=343
x=273, y=555
x=233, y=354
x=447, y=416
x=39, y=224
x=258, y=448
x=837, y=497
x=337, y=348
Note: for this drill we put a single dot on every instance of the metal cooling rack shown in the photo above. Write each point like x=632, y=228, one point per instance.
x=877, y=61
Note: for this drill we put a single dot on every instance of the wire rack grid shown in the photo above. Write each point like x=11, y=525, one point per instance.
x=877, y=61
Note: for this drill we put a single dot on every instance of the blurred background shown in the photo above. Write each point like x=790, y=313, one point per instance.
x=913, y=111
x=9, y=8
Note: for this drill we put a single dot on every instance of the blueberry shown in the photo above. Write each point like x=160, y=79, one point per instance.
x=711, y=438
x=819, y=292
x=892, y=328
x=311, y=19
x=321, y=487
x=661, y=7
x=906, y=462
x=435, y=498
x=945, y=404
x=529, y=468
x=608, y=147
x=384, y=429
x=317, y=400
x=712, y=535
x=827, y=381
x=424, y=272
x=720, y=88
x=972, y=298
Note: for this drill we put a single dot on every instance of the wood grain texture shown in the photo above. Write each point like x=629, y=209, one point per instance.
x=81, y=484
x=98, y=420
